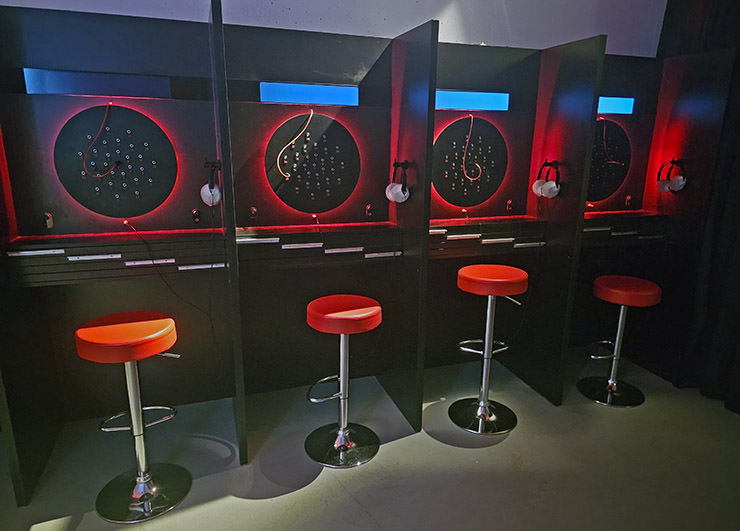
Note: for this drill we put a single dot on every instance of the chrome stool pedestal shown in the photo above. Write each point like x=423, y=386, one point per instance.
x=612, y=391
x=147, y=491
x=625, y=291
x=481, y=415
x=343, y=444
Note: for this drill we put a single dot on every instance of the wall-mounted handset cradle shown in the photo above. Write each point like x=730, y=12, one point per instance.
x=671, y=184
x=210, y=193
x=398, y=192
x=545, y=187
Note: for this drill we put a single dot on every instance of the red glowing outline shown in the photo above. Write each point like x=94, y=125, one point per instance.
x=599, y=207
x=121, y=235
x=108, y=101
x=266, y=182
x=7, y=192
x=480, y=206
x=316, y=227
x=441, y=222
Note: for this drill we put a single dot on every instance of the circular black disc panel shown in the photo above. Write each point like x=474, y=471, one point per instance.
x=314, y=167
x=485, y=160
x=610, y=160
x=126, y=170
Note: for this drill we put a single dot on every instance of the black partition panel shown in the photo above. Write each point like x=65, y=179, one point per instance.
x=570, y=78
x=31, y=415
x=688, y=125
x=414, y=60
x=220, y=96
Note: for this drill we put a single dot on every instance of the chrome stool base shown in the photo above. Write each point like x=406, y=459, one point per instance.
x=597, y=389
x=321, y=445
x=168, y=486
x=466, y=414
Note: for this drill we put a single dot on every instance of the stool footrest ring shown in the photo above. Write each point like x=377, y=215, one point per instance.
x=601, y=350
x=104, y=424
x=319, y=399
x=475, y=346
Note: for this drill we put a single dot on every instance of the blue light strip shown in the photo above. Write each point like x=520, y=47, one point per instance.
x=40, y=81
x=309, y=93
x=609, y=105
x=472, y=101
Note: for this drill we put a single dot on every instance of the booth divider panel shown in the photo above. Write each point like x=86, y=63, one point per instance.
x=220, y=97
x=570, y=80
x=688, y=126
x=31, y=414
x=414, y=72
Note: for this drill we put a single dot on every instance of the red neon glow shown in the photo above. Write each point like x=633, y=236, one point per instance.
x=56, y=111
x=7, y=194
x=468, y=221
x=671, y=142
x=277, y=199
x=634, y=182
x=117, y=235
x=312, y=228
x=603, y=214
x=509, y=188
x=251, y=183
x=72, y=201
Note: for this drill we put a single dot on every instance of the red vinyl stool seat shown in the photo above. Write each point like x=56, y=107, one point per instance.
x=343, y=314
x=481, y=415
x=123, y=337
x=342, y=444
x=492, y=279
x=149, y=490
x=625, y=291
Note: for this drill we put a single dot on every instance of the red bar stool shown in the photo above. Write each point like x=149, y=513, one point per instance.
x=149, y=490
x=481, y=415
x=342, y=444
x=625, y=291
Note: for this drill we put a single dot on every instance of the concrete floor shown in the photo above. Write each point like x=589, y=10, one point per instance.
x=673, y=463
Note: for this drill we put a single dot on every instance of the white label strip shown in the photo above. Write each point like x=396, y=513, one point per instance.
x=596, y=229
x=246, y=239
x=651, y=237
x=83, y=257
x=200, y=266
x=496, y=240
x=625, y=233
x=463, y=236
x=40, y=252
x=528, y=244
x=307, y=245
x=383, y=255
x=433, y=232
x=158, y=261
x=340, y=250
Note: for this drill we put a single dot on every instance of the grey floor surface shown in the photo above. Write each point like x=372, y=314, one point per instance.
x=671, y=464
